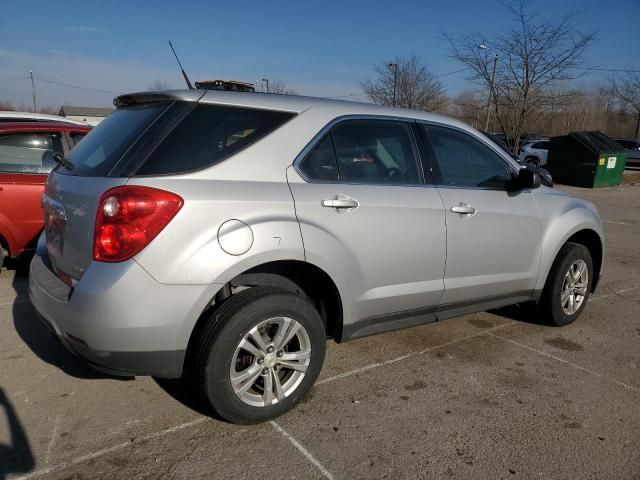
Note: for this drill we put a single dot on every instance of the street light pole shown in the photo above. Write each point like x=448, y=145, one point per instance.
x=33, y=90
x=395, y=80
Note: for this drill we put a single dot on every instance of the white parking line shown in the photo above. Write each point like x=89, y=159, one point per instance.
x=408, y=355
x=104, y=451
x=612, y=294
x=52, y=440
x=618, y=223
x=562, y=360
x=15, y=301
x=302, y=450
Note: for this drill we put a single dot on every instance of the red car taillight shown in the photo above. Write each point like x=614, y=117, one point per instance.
x=128, y=218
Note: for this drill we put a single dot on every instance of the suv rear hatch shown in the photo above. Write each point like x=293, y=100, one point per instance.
x=148, y=135
x=71, y=196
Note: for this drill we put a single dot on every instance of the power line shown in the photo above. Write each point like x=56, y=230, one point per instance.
x=451, y=73
x=40, y=79
x=13, y=79
x=602, y=69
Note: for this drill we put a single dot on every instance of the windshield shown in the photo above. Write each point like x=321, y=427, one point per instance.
x=105, y=145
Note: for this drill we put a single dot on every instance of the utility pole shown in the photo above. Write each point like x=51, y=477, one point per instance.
x=395, y=80
x=33, y=90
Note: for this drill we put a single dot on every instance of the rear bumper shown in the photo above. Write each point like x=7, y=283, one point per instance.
x=118, y=318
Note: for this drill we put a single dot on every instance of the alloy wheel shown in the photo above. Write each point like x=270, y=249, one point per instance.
x=270, y=361
x=574, y=287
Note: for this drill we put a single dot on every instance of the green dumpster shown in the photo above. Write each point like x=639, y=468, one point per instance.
x=586, y=159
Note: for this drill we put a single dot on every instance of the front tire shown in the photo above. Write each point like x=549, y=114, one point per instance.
x=259, y=354
x=568, y=285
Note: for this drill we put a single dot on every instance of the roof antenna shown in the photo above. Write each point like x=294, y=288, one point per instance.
x=186, y=79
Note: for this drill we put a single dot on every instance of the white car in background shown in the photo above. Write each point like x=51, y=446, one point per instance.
x=535, y=150
x=10, y=116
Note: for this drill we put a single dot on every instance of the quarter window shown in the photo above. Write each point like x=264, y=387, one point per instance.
x=27, y=152
x=321, y=163
x=208, y=135
x=464, y=161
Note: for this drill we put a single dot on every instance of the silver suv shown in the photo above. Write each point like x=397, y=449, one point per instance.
x=222, y=237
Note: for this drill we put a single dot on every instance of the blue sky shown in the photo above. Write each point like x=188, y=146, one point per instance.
x=318, y=48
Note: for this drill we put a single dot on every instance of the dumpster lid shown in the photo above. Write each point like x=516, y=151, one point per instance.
x=597, y=141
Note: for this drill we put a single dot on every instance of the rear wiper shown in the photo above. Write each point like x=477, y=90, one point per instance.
x=58, y=157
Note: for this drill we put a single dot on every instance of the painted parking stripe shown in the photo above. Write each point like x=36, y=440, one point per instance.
x=302, y=450
x=566, y=362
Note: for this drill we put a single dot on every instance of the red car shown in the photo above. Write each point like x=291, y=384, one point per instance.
x=26, y=158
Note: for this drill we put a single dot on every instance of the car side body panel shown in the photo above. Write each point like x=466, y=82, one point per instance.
x=562, y=216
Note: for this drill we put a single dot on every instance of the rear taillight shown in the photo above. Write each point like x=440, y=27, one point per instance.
x=128, y=218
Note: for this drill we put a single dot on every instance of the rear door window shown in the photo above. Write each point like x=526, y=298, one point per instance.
x=105, y=145
x=208, y=135
x=29, y=152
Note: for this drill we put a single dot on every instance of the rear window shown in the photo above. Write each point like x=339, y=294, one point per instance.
x=208, y=135
x=29, y=152
x=103, y=147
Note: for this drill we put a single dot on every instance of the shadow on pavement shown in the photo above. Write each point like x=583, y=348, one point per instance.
x=187, y=395
x=36, y=335
x=17, y=456
x=522, y=313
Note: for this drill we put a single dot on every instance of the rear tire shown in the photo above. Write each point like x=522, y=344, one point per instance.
x=568, y=285
x=246, y=359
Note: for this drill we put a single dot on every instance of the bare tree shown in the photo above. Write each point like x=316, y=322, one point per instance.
x=532, y=58
x=280, y=87
x=468, y=106
x=7, y=105
x=159, y=85
x=414, y=84
x=48, y=109
x=627, y=90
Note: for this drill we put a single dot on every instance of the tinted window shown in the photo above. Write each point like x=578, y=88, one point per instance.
x=321, y=163
x=103, y=147
x=375, y=152
x=76, y=137
x=466, y=162
x=26, y=152
x=209, y=134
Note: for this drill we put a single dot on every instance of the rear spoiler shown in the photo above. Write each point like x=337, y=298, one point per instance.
x=151, y=97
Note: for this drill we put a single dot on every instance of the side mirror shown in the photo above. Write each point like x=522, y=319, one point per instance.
x=545, y=176
x=527, y=178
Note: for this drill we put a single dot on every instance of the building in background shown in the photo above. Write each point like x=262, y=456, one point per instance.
x=90, y=115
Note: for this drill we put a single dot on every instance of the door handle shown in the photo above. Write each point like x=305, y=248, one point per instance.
x=464, y=209
x=340, y=202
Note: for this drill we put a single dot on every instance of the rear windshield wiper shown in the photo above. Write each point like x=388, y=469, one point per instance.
x=58, y=157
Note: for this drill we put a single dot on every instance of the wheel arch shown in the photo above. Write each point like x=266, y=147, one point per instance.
x=297, y=276
x=585, y=235
x=591, y=241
